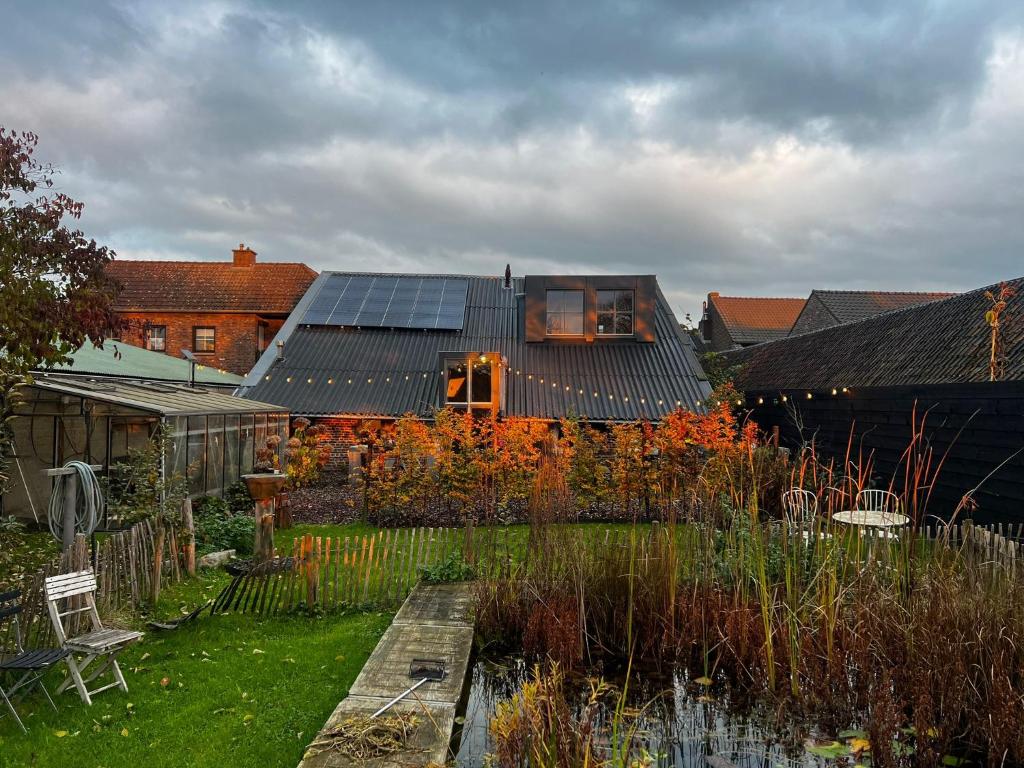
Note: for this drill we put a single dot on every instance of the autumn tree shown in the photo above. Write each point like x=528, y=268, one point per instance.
x=54, y=295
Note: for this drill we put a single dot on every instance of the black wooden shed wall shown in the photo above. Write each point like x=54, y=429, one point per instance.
x=980, y=425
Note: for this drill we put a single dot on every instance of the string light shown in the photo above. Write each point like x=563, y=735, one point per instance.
x=810, y=396
x=267, y=377
x=350, y=381
x=845, y=389
x=309, y=380
x=760, y=401
x=289, y=379
x=330, y=381
x=834, y=391
x=784, y=398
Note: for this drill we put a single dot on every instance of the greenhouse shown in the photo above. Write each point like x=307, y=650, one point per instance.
x=212, y=436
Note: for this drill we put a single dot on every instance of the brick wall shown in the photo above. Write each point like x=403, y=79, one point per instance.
x=339, y=434
x=236, y=335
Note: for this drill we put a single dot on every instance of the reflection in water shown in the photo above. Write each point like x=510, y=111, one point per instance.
x=677, y=723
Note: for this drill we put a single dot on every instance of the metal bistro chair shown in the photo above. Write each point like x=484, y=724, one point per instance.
x=25, y=667
x=800, y=510
x=100, y=643
x=877, y=500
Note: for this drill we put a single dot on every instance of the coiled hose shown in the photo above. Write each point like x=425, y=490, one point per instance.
x=89, y=501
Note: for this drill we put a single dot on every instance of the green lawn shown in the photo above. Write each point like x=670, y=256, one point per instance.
x=227, y=691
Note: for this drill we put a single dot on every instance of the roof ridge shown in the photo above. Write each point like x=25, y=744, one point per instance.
x=762, y=298
x=204, y=261
x=884, y=293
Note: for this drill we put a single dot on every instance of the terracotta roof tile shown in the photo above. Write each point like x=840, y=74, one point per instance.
x=752, y=320
x=210, y=286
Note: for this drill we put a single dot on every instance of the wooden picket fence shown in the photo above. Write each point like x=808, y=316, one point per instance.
x=373, y=570
x=124, y=566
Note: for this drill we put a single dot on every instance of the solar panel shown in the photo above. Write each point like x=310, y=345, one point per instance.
x=389, y=301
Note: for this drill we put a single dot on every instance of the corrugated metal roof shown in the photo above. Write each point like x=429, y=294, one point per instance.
x=389, y=372
x=153, y=397
x=127, y=361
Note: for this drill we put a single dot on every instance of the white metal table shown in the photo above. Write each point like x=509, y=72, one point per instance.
x=867, y=518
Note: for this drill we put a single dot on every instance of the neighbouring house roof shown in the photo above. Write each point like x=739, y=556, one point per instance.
x=944, y=341
x=153, y=397
x=753, y=320
x=388, y=372
x=120, y=360
x=209, y=286
x=828, y=308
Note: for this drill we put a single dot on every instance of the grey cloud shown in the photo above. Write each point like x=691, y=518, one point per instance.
x=742, y=147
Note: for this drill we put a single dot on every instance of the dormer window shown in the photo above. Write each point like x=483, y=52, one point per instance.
x=565, y=313
x=615, y=313
x=469, y=381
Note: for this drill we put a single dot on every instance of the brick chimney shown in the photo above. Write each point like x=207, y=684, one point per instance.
x=243, y=256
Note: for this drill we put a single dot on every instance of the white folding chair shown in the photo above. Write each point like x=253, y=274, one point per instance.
x=99, y=645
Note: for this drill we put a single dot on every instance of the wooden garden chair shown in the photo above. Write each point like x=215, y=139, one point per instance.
x=99, y=646
x=25, y=667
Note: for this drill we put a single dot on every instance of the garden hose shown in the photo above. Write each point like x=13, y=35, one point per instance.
x=89, y=500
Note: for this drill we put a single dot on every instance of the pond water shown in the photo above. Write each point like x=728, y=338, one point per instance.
x=680, y=723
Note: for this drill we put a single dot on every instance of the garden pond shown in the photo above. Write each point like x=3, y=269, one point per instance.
x=679, y=721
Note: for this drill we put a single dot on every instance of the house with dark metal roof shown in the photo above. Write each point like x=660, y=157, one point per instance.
x=225, y=313
x=730, y=322
x=824, y=309
x=378, y=346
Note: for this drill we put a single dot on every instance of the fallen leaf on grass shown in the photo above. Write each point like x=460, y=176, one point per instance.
x=165, y=681
x=124, y=731
x=60, y=734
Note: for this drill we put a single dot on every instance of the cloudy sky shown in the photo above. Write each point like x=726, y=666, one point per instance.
x=746, y=147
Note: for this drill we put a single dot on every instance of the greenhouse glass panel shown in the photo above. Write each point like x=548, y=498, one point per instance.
x=245, y=442
x=215, y=455
x=230, y=450
x=196, y=455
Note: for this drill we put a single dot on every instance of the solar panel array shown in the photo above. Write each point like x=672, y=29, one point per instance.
x=390, y=301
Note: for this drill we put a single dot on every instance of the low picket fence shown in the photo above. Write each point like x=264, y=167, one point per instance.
x=125, y=568
x=373, y=570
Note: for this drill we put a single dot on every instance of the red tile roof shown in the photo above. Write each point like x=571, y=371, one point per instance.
x=210, y=286
x=751, y=320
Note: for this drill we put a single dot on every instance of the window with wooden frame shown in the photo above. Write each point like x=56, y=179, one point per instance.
x=615, y=313
x=155, y=338
x=469, y=382
x=565, y=312
x=204, y=339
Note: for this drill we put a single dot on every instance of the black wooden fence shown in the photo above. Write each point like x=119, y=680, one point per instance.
x=980, y=426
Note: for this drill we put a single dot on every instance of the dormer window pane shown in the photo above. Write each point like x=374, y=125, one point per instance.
x=615, y=313
x=564, y=313
x=481, y=382
x=458, y=383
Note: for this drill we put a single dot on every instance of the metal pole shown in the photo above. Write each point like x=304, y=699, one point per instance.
x=398, y=698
